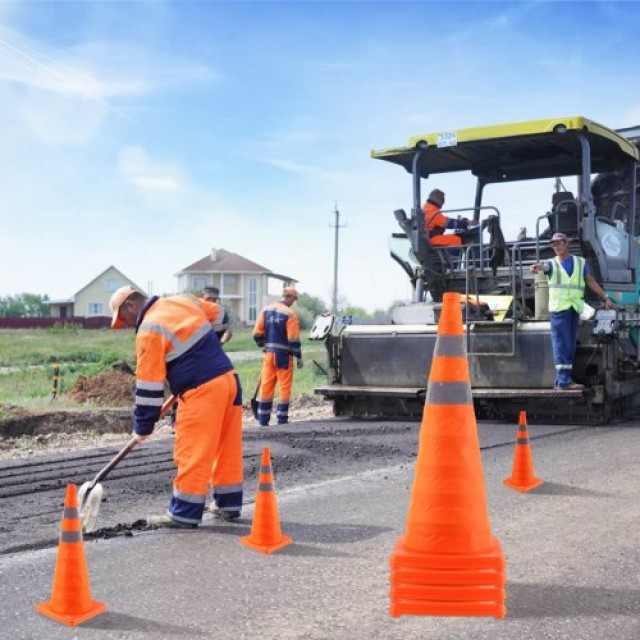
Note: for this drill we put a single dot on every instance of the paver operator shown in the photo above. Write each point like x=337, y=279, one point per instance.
x=567, y=276
x=176, y=342
x=277, y=330
x=436, y=223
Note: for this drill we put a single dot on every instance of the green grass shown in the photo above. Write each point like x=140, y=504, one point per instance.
x=305, y=380
x=29, y=347
x=29, y=356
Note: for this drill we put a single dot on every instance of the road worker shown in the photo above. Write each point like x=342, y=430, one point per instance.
x=435, y=222
x=277, y=330
x=567, y=276
x=223, y=326
x=176, y=342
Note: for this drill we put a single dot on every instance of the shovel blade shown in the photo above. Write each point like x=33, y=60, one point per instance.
x=89, y=501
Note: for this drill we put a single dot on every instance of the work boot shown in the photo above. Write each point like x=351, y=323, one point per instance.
x=227, y=516
x=165, y=520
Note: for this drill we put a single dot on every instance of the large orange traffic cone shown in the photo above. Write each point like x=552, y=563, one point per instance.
x=266, y=535
x=522, y=478
x=448, y=562
x=71, y=601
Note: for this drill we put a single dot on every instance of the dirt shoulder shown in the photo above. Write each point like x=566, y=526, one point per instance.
x=25, y=433
x=102, y=417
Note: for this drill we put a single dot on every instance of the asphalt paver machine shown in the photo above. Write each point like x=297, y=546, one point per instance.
x=382, y=370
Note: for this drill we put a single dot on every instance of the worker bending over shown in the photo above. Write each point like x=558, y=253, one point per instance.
x=176, y=342
x=277, y=330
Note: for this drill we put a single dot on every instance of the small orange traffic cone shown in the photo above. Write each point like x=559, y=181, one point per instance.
x=71, y=601
x=522, y=478
x=266, y=535
x=448, y=562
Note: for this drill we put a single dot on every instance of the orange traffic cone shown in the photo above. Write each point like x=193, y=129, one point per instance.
x=448, y=562
x=71, y=601
x=522, y=478
x=266, y=535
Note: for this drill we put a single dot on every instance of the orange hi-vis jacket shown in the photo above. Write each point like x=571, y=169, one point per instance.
x=176, y=342
x=435, y=223
x=277, y=330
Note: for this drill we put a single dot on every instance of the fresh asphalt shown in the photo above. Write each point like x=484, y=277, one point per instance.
x=571, y=547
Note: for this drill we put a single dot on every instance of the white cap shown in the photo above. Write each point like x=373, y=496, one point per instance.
x=116, y=302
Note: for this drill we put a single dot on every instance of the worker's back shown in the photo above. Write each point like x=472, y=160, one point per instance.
x=180, y=328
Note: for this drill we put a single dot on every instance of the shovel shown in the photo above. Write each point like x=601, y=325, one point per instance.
x=254, y=400
x=90, y=493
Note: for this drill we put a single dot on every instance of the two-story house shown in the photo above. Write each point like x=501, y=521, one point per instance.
x=243, y=284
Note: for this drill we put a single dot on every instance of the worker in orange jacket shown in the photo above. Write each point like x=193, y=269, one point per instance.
x=223, y=330
x=435, y=222
x=176, y=342
x=277, y=330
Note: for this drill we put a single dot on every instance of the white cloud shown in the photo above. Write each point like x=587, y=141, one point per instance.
x=137, y=169
x=66, y=95
x=152, y=184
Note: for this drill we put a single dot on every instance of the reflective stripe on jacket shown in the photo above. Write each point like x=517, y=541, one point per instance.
x=566, y=291
x=176, y=342
x=435, y=223
x=278, y=331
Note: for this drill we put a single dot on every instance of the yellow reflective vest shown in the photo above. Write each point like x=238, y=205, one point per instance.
x=566, y=291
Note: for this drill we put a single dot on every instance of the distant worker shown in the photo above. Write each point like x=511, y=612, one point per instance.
x=435, y=222
x=176, y=342
x=277, y=330
x=567, y=276
x=223, y=327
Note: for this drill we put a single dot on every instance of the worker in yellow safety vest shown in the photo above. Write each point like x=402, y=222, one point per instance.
x=567, y=276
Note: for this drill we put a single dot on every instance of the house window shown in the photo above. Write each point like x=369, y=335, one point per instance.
x=198, y=283
x=111, y=284
x=253, y=299
x=231, y=284
x=96, y=309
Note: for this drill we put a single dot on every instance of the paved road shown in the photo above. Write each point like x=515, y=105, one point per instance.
x=571, y=546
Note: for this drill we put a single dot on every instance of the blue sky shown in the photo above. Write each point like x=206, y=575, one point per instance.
x=141, y=134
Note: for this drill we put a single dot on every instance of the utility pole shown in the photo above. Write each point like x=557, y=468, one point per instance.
x=337, y=226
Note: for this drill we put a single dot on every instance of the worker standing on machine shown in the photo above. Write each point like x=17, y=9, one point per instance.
x=567, y=276
x=277, y=330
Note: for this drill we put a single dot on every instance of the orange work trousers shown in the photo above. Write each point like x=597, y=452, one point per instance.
x=208, y=449
x=269, y=375
x=445, y=240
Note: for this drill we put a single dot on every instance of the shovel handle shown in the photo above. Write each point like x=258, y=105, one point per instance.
x=113, y=462
x=102, y=474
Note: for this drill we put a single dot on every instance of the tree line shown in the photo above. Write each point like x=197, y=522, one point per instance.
x=24, y=305
x=33, y=305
